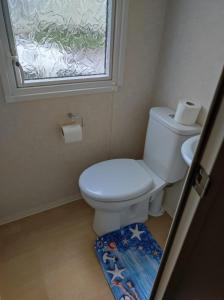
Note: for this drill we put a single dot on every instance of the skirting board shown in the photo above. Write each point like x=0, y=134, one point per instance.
x=39, y=209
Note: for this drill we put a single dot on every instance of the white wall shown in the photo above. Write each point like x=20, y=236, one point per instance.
x=37, y=169
x=191, y=59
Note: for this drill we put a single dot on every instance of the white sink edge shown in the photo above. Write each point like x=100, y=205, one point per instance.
x=188, y=149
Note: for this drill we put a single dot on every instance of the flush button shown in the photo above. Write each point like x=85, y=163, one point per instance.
x=171, y=116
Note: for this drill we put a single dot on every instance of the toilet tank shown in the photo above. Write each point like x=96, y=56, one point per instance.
x=164, y=137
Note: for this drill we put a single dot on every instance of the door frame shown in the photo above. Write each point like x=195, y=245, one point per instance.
x=206, y=133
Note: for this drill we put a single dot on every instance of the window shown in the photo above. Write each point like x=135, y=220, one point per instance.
x=54, y=47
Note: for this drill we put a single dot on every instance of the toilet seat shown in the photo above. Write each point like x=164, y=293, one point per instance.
x=115, y=180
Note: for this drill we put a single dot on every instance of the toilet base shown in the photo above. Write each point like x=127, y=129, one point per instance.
x=106, y=221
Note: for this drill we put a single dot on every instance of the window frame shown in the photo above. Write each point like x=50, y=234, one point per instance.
x=84, y=85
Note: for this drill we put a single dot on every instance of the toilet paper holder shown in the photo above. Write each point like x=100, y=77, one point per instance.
x=75, y=117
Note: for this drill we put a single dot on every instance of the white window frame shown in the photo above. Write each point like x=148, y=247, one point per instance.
x=87, y=84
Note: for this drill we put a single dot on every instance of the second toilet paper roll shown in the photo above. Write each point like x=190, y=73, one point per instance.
x=187, y=112
x=71, y=133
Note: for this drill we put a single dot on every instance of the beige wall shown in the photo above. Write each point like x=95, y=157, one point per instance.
x=191, y=59
x=192, y=52
x=37, y=168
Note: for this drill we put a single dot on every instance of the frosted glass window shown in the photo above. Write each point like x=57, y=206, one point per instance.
x=60, y=39
x=57, y=48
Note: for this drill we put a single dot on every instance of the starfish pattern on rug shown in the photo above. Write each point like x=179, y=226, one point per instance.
x=136, y=232
x=137, y=258
x=116, y=273
x=125, y=241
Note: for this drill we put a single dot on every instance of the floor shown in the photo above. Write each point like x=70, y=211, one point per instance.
x=50, y=256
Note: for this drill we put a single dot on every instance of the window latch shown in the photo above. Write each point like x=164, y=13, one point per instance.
x=18, y=70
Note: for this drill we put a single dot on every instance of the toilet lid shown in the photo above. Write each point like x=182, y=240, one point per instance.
x=115, y=180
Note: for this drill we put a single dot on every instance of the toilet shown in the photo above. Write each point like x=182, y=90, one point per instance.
x=125, y=191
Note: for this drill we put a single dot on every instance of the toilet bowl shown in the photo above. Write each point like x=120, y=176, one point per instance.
x=120, y=190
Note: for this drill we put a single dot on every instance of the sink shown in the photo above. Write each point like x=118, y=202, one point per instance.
x=188, y=149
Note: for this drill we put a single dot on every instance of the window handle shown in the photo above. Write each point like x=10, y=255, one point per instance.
x=19, y=70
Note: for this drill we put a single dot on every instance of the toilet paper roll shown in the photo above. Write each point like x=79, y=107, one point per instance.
x=187, y=112
x=71, y=133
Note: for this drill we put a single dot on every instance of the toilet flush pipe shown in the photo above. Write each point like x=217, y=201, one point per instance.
x=155, y=205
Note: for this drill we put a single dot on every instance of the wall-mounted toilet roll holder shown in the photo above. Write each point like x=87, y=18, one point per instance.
x=75, y=118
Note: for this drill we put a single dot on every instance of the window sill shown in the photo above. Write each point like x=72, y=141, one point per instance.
x=27, y=94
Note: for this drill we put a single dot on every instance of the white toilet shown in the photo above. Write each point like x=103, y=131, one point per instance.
x=125, y=191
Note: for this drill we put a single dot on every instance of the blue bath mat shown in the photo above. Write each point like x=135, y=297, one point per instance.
x=130, y=258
